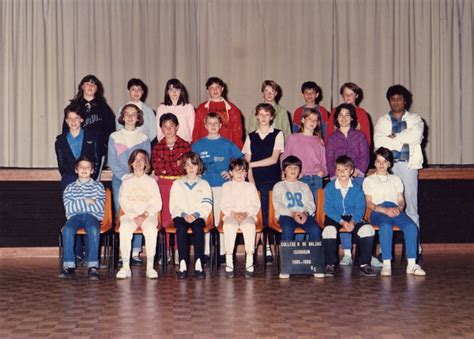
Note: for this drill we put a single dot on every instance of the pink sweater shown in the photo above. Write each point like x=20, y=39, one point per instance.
x=310, y=150
x=240, y=197
x=185, y=115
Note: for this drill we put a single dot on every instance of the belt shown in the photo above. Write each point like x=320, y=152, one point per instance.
x=169, y=177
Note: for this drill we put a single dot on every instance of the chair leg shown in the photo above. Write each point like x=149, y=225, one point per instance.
x=61, y=252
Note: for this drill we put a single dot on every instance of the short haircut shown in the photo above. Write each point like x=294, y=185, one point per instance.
x=240, y=163
x=291, y=160
x=195, y=160
x=270, y=83
x=354, y=88
x=72, y=107
x=352, y=113
x=214, y=80
x=138, y=83
x=386, y=154
x=266, y=107
x=306, y=113
x=132, y=157
x=168, y=117
x=84, y=158
x=314, y=86
x=139, y=115
x=345, y=161
x=213, y=115
x=400, y=90
x=183, y=97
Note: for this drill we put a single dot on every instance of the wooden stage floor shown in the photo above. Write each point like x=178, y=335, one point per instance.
x=35, y=303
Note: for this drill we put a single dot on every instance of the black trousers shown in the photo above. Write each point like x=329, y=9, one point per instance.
x=183, y=240
x=365, y=244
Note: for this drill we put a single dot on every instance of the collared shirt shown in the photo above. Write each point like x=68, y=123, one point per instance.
x=76, y=143
x=343, y=190
x=399, y=125
x=279, y=141
x=166, y=159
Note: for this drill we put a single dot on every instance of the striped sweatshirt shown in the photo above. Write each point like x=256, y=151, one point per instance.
x=76, y=194
x=190, y=197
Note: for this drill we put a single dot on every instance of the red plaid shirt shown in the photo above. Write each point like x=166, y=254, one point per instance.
x=167, y=161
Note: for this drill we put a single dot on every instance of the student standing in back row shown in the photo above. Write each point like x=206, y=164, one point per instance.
x=282, y=119
x=312, y=95
x=231, y=116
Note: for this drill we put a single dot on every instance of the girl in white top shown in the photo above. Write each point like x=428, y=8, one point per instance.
x=239, y=214
x=384, y=197
x=190, y=205
x=176, y=101
x=140, y=202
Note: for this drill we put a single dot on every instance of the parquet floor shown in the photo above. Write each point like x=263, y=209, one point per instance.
x=35, y=303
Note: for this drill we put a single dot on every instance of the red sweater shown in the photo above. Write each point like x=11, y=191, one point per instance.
x=231, y=121
x=299, y=113
x=362, y=120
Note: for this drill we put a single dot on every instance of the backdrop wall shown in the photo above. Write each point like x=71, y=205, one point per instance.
x=47, y=46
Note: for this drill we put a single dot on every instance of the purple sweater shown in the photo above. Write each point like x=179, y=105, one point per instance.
x=310, y=150
x=354, y=146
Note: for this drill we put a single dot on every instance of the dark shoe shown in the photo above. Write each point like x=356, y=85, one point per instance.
x=79, y=261
x=67, y=273
x=221, y=259
x=93, y=273
x=330, y=270
x=207, y=259
x=249, y=274
x=199, y=274
x=229, y=274
x=136, y=261
x=182, y=274
x=367, y=271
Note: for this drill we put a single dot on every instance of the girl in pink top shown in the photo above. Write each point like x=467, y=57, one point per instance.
x=177, y=102
x=308, y=146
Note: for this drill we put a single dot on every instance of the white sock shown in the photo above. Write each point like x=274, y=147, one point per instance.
x=207, y=249
x=348, y=253
x=126, y=265
x=387, y=263
x=182, y=266
x=135, y=254
x=149, y=262
x=249, y=263
x=229, y=262
x=269, y=251
x=197, y=265
x=221, y=245
x=411, y=262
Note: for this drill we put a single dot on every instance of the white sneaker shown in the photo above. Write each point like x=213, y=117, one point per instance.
x=346, y=261
x=124, y=273
x=176, y=257
x=374, y=262
x=284, y=276
x=386, y=271
x=416, y=270
x=319, y=275
x=151, y=273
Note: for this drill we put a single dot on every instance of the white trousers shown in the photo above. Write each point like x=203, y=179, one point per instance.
x=231, y=226
x=128, y=226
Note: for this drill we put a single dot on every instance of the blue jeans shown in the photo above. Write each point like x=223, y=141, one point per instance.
x=91, y=224
x=346, y=238
x=288, y=225
x=385, y=223
x=137, y=238
x=314, y=182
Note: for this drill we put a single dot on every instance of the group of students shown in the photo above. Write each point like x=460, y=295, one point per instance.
x=201, y=164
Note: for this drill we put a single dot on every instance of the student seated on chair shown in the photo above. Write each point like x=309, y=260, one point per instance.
x=344, y=206
x=384, y=196
x=140, y=202
x=190, y=205
x=240, y=206
x=84, y=201
x=294, y=205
